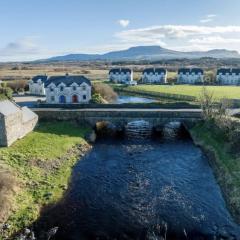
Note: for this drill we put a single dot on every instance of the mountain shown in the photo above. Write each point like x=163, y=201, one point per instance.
x=146, y=53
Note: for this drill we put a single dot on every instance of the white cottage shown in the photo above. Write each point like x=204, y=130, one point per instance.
x=190, y=76
x=154, y=75
x=68, y=89
x=37, y=85
x=121, y=75
x=227, y=76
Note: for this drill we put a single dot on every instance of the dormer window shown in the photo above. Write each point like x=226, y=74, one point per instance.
x=74, y=88
x=61, y=88
x=83, y=88
x=51, y=89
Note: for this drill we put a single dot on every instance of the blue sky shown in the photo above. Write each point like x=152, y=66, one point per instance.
x=33, y=29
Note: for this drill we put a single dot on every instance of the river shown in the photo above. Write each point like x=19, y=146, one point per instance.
x=143, y=189
x=133, y=99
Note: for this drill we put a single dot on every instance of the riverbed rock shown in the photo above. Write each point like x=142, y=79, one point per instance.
x=106, y=129
x=91, y=137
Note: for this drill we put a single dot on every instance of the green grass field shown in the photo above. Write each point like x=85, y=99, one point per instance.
x=231, y=92
x=42, y=164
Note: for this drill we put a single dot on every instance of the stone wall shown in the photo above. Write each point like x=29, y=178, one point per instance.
x=16, y=123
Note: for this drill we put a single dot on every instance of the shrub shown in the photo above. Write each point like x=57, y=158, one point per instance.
x=97, y=98
x=17, y=85
x=5, y=92
x=105, y=91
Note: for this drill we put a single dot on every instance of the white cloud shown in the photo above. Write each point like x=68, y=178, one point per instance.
x=182, y=36
x=208, y=18
x=26, y=46
x=124, y=22
x=214, y=40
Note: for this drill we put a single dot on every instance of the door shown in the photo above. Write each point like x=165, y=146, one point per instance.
x=75, y=99
x=62, y=99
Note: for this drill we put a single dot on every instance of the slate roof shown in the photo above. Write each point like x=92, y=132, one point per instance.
x=184, y=70
x=120, y=70
x=236, y=71
x=196, y=70
x=7, y=108
x=224, y=71
x=67, y=80
x=154, y=70
x=42, y=77
x=190, y=71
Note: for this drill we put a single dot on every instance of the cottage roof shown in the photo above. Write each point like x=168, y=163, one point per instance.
x=7, y=108
x=155, y=70
x=43, y=78
x=196, y=70
x=67, y=80
x=236, y=70
x=189, y=70
x=120, y=70
x=224, y=71
x=184, y=70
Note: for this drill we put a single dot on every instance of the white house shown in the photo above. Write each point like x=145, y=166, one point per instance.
x=121, y=75
x=154, y=75
x=37, y=85
x=190, y=76
x=68, y=89
x=227, y=76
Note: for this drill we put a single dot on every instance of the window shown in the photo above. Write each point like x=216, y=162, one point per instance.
x=84, y=97
x=51, y=89
x=61, y=88
x=83, y=88
x=52, y=98
x=74, y=88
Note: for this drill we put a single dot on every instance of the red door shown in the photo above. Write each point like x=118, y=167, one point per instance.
x=75, y=99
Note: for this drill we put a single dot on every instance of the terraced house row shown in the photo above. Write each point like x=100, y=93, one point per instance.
x=185, y=76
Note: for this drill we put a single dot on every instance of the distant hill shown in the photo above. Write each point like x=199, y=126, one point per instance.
x=146, y=53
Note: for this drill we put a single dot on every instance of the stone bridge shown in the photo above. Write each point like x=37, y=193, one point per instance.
x=120, y=116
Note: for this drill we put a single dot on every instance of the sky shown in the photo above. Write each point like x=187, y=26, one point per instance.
x=36, y=29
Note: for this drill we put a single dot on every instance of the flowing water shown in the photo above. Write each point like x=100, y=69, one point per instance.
x=129, y=189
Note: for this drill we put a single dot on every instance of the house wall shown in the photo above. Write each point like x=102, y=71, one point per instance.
x=154, y=78
x=190, y=78
x=228, y=79
x=3, y=137
x=37, y=89
x=68, y=92
x=16, y=126
x=121, y=78
x=13, y=127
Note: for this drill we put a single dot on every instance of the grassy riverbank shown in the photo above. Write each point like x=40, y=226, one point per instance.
x=226, y=164
x=35, y=171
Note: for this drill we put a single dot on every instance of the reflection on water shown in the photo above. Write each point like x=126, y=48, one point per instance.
x=143, y=190
x=134, y=99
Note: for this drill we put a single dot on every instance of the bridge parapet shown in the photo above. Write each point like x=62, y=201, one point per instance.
x=121, y=116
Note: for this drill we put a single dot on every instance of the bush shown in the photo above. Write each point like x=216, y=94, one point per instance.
x=17, y=85
x=105, y=91
x=5, y=92
x=97, y=98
